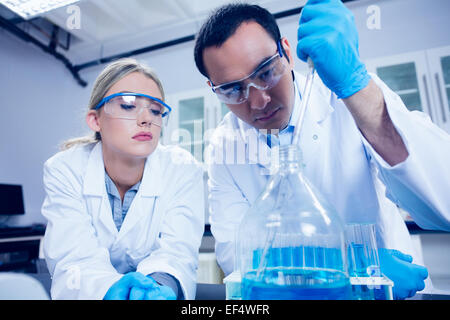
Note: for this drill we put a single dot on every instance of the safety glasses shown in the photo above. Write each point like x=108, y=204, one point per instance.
x=129, y=106
x=265, y=77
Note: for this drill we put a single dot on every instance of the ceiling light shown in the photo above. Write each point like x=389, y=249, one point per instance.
x=28, y=9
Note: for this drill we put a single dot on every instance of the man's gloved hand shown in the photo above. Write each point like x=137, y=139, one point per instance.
x=121, y=290
x=157, y=292
x=327, y=34
x=408, y=278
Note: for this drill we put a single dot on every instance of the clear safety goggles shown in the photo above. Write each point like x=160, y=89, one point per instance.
x=265, y=77
x=129, y=106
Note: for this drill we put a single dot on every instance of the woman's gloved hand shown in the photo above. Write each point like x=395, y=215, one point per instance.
x=157, y=292
x=121, y=290
x=408, y=278
x=327, y=34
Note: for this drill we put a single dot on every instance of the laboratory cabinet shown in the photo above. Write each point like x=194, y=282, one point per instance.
x=421, y=79
x=195, y=115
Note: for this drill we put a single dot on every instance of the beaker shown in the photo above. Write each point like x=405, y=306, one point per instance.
x=368, y=283
x=291, y=242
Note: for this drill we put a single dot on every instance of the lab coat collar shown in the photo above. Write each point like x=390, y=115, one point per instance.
x=319, y=101
x=149, y=190
x=94, y=179
x=152, y=177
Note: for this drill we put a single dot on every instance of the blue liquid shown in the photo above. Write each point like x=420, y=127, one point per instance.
x=359, y=260
x=362, y=293
x=301, y=256
x=301, y=284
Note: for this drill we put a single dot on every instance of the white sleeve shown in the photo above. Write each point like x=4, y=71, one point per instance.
x=421, y=183
x=80, y=267
x=176, y=249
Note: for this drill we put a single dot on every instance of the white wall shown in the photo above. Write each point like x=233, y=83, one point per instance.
x=38, y=99
x=42, y=105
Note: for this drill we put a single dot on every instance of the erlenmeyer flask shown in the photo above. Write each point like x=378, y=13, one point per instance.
x=291, y=242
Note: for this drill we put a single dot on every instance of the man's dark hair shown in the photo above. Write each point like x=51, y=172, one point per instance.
x=224, y=22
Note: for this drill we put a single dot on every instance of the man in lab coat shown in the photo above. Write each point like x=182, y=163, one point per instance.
x=361, y=147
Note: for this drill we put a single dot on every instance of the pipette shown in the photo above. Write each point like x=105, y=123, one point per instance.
x=304, y=102
x=295, y=140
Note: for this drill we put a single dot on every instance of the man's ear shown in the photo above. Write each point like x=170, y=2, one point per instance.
x=288, y=51
x=92, y=120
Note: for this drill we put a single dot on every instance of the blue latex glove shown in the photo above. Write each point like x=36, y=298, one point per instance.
x=160, y=293
x=137, y=293
x=327, y=34
x=121, y=290
x=157, y=292
x=408, y=278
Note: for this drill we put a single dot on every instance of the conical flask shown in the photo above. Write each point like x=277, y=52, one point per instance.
x=291, y=243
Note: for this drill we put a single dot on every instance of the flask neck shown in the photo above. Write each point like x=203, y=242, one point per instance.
x=290, y=158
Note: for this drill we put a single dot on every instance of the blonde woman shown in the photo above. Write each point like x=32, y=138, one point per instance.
x=125, y=214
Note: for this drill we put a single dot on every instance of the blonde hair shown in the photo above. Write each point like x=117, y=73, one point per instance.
x=109, y=76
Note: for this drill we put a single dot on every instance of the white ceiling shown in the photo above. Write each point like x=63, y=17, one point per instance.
x=115, y=26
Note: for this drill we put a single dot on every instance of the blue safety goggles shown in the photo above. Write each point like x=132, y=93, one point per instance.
x=108, y=98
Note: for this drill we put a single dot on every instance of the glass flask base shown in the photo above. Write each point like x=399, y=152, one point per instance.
x=296, y=284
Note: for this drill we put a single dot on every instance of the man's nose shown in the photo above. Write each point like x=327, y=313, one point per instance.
x=258, y=99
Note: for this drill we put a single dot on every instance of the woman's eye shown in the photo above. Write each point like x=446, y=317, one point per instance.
x=156, y=112
x=127, y=106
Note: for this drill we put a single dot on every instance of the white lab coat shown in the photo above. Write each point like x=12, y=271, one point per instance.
x=342, y=165
x=161, y=232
